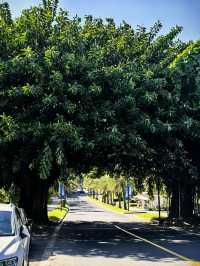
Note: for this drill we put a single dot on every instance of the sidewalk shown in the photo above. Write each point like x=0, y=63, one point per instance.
x=54, y=203
x=44, y=238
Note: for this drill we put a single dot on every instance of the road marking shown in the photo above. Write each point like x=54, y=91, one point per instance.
x=191, y=262
x=188, y=260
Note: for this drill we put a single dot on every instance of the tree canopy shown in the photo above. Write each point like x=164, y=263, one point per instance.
x=76, y=94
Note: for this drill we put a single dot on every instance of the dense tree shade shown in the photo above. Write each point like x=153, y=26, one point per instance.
x=186, y=93
x=75, y=95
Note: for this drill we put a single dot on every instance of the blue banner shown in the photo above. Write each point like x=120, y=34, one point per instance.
x=61, y=189
x=128, y=191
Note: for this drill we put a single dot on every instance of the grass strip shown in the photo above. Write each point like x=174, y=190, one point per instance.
x=108, y=206
x=148, y=216
x=57, y=214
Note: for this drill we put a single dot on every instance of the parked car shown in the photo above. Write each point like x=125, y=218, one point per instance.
x=14, y=237
x=80, y=191
x=25, y=220
x=133, y=203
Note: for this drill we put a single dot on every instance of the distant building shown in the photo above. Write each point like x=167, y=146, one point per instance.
x=142, y=200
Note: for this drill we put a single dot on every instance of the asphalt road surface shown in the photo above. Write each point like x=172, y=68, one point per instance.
x=93, y=236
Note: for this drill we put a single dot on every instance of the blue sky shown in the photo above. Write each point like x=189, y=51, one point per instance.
x=185, y=13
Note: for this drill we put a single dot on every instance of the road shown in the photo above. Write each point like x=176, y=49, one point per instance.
x=93, y=236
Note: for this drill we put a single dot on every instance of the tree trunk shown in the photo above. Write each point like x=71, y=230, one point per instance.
x=174, y=203
x=97, y=195
x=107, y=197
x=182, y=204
x=124, y=198
x=119, y=199
x=39, y=207
x=103, y=198
x=34, y=198
x=111, y=198
x=93, y=194
x=158, y=189
x=187, y=201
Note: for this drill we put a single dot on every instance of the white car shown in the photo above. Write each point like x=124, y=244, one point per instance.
x=14, y=237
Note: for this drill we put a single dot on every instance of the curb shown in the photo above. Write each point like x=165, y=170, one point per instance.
x=61, y=220
x=134, y=216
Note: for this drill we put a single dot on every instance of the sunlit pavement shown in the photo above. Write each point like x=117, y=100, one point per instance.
x=90, y=236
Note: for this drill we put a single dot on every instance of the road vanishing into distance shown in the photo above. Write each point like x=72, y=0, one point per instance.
x=91, y=235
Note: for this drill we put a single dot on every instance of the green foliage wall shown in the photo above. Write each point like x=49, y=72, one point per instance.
x=81, y=94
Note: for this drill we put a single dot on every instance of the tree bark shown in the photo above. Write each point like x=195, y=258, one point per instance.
x=34, y=199
x=159, y=209
x=119, y=199
x=124, y=198
x=111, y=198
x=39, y=204
x=182, y=203
x=107, y=197
x=187, y=201
x=97, y=195
x=103, y=198
x=93, y=194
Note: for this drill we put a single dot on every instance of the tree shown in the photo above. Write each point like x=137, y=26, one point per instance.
x=78, y=95
x=186, y=76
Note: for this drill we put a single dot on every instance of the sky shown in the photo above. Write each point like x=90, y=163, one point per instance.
x=185, y=13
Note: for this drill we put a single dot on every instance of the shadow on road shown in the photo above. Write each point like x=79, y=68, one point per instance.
x=90, y=232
